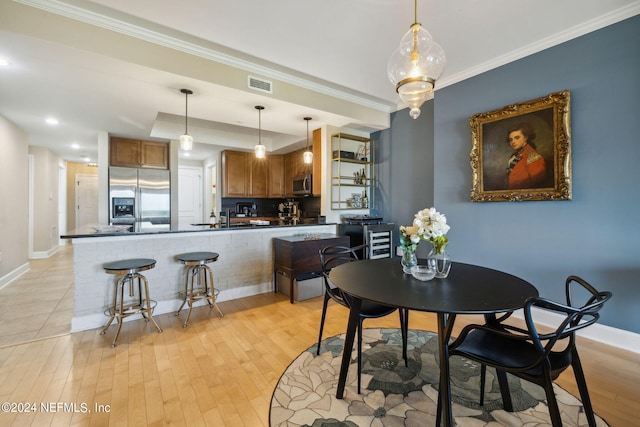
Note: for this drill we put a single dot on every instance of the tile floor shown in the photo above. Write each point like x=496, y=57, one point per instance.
x=39, y=304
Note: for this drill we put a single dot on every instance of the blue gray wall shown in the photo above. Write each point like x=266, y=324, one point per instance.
x=596, y=235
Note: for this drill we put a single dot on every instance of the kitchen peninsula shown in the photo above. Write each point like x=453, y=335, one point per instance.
x=245, y=266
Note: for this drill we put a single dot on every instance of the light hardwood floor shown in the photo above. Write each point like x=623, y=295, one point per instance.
x=218, y=371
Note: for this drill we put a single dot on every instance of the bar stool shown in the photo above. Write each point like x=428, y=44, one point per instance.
x=129, y=270
x=199, y=281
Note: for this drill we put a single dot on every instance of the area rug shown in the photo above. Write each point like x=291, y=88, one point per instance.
x=395, y=395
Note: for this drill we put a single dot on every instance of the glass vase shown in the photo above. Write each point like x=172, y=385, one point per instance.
x=440, y=262
x=408, y=261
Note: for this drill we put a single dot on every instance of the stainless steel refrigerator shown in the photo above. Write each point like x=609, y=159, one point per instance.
x=140, y=198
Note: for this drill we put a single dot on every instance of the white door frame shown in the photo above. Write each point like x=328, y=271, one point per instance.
x=30, y=213
x=62, y=202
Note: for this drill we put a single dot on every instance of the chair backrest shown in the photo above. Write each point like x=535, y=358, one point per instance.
x=332, y=256
x=574, y=318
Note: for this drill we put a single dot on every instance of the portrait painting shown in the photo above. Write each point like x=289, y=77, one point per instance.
x=522, y=151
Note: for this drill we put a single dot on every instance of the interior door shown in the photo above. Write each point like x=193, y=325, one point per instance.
x=190, y=194
x=86, y=200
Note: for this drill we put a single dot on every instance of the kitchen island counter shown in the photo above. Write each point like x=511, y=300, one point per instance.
x=111, y=231
x=244, y=268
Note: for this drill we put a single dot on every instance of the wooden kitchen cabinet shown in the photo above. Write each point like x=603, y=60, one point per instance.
x=258, y=176
x=245, y=176
x=135, y=153
x=316, y=181
x=294, y=166
x=235, y=170
x=277, y=188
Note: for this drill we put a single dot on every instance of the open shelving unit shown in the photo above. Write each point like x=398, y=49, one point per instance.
x=352, y=171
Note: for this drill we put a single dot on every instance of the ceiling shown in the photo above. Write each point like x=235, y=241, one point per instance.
x=117, y=66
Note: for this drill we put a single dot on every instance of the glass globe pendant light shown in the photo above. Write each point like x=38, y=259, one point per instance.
x=186, y=140
x=308, y=154
x=260, y=149
x=415, y=66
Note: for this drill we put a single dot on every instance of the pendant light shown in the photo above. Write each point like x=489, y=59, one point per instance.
x=186, y=140
x=308, y=154
x=260, y=149
x=415, y=66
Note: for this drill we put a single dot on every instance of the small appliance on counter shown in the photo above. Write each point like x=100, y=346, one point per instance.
x=245, y=209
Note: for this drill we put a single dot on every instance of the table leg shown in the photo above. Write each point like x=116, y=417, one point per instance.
x=445, y=326
x=352, y=326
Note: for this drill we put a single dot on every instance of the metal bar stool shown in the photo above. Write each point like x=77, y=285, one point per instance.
x=129, y=270
x=199, y=281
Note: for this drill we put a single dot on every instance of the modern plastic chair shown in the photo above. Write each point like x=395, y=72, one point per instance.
x=332, y=256
x=534, y=355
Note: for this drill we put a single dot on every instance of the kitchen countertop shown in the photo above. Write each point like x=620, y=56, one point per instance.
x=105, y=232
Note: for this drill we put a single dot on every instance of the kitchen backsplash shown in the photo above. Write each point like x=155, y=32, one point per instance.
x=309, y=206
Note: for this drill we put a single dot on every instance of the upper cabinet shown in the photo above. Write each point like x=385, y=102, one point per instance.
x=245, y=176
x=277, y=187
x=135, y=153
x=235, y=171
x=316, y=182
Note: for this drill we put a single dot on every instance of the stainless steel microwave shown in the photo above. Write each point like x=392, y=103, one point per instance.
x=302, y=185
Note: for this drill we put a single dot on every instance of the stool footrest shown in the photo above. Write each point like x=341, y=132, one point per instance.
x=130, y=309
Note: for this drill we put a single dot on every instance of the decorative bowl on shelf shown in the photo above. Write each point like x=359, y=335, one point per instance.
x=422, y=272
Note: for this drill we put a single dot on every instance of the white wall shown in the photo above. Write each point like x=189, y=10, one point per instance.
x=14, y=201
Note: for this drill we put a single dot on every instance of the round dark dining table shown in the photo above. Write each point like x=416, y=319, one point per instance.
x=468, y=289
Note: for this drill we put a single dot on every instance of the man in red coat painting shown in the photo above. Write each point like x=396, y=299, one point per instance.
x=526, y=167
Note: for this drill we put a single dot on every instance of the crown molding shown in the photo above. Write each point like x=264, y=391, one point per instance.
x=530, y=49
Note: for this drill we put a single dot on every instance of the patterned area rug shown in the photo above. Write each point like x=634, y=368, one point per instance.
x=395, y=395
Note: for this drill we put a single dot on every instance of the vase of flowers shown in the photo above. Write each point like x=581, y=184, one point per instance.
x=432, y=226
x=409, y=239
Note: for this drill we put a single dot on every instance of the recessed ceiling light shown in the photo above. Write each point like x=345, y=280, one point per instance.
x=4, y=62
x=51, y=121
x=186, y=154
x=75, y=146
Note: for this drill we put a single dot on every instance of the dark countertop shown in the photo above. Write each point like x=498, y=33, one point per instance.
x=105, y=232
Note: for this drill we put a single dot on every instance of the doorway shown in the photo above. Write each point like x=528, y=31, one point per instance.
x=86, y=200
x=190, y=195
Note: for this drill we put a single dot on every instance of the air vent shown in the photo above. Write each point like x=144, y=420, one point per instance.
x=259, y=84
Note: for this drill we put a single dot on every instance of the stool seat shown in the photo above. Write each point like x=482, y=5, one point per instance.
x=129, y=266
x=198, y=283
x=128, y=271
x=195, y=258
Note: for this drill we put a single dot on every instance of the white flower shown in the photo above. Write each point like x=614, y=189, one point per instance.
x=431, y=223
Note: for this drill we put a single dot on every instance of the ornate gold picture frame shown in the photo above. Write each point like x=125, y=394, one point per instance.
x=522, y=151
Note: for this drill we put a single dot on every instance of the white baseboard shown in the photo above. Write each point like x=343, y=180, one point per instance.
x=608, y=335
x=13, y=275
x=45, y=254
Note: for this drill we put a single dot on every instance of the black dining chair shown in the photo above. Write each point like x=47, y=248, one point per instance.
x=332, y=256
x=533, y=355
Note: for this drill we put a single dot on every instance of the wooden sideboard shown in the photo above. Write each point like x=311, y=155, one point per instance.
x=299, y=254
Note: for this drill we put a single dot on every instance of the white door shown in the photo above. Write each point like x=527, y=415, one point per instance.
x=190, y=195
x=86, y=200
